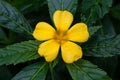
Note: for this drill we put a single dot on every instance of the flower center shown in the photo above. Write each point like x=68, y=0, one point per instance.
x=61, y=37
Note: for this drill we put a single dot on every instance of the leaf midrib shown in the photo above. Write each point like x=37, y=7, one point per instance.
x=20, y=26
x=102, y=46
x=36, y=73
x=82, y=71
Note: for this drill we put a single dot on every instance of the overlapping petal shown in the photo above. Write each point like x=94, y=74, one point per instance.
x=71, y=52
x=49, y=49
x=62, y=20
x=43, y=31
x=78, y=33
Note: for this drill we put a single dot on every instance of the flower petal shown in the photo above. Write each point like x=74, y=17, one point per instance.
x=62, y=20
x=49, y=50
x=78, y=33
x=71, y=52
x=43, y=31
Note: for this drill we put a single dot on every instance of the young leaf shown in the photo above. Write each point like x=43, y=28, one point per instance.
x=84, y=70
x=105, y=47
x=61, y=5
x=19, y=52
x=94, y=29
x=11, y=19
x=35, y=71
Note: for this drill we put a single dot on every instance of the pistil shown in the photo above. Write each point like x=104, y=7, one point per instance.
x=61, y=37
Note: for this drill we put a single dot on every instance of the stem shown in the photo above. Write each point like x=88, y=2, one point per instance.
x=51, y=71
x=62, y=5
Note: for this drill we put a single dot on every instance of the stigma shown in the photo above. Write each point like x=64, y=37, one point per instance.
x=60, y=37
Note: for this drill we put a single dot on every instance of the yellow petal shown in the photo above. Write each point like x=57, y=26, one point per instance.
x=43, y=31
x=78, y=33
x=62, y=20
x=71, y=52
x=49, y=50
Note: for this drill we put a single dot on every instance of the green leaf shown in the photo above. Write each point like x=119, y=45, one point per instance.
x=19, y=52
x=11, y=19
x=84, y=70
x=62, y=5
x=35, y=71
x=104, y=47
x=95, y=9
x=26, y=6
x=94, y=29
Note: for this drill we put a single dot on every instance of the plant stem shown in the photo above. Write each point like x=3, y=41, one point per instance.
x=51, y=71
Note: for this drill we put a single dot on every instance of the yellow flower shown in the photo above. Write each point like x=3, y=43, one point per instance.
x=62, y=38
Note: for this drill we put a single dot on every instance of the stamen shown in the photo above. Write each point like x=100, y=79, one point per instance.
x=60, y=37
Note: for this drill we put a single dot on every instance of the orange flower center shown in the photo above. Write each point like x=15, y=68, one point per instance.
x=61, y=37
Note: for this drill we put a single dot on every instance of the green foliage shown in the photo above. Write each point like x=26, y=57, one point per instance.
x=101, y=47
x=61, y=5
x=93, y=29
x=19, y=52
x=94, y=10
x=26, y=6
x=36, y=71
x=106, y=47
x=11, y=19
x=84, y=70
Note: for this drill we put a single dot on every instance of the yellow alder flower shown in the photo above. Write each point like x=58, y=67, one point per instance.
x=62, y=38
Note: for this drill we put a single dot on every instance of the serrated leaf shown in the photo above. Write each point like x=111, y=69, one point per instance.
x=106, y=47
x=11, y=19
x=61, y=5
x=19, y=52
x=35, y=71
x=84, y=70
x=94, y=29
x=95, y=9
